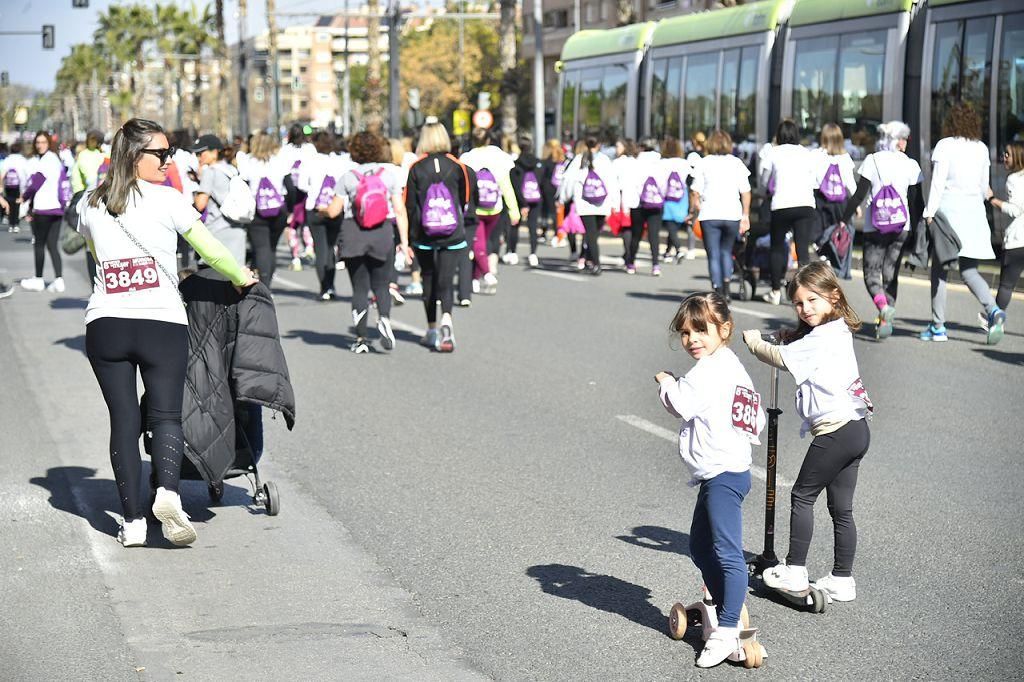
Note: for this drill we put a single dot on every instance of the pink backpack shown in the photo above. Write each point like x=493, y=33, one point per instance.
x=371, y=202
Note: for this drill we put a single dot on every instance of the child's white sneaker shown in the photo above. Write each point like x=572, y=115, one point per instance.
x=783, y=577
x=132, y=533
x=839, y=589
x=176, y=525
x=722, y=643
x=56, y=286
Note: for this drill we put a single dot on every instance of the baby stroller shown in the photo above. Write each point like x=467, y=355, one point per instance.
x=751, y=257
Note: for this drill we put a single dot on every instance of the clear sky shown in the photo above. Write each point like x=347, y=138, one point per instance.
x=24, y=58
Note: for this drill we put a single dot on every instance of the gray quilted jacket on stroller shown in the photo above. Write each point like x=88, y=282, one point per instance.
x=234, y=357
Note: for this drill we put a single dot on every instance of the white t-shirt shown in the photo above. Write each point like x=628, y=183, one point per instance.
x=648, y=165
x=575, y=178
x=19, y=165
x=845, y=165
x=960, y=167
x=680, y=167
x=186, y=161
x=890, y=168
x=828, y=384
x=720, y=179
x=51, y=167
x=722, y=415
x=794, y=169
x=624, y=168
x=273, y=169
x=315, y=170
x=128, y=282
x=496, y=161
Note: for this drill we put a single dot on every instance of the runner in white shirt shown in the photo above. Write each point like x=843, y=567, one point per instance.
x=721, y=189
x=834, y=405
x=722, y=417
x=591, y=184
x=677, y=201
x=318, y=178
x=835, y=179
x=888, y=167
x=264, y=169
x=788, y=172
x=136, y=322
x=959, y=185
x=645, y=196
x=14, y=171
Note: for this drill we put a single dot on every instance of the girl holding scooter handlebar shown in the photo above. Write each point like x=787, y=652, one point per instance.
x=834, y=405
x=722, y=417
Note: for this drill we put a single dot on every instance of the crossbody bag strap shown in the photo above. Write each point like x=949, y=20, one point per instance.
x=132, y=238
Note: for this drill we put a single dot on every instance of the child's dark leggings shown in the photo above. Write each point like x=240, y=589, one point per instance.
x=831, y=464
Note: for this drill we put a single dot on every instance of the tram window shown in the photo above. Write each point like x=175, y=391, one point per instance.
x=1011, y=82
x=572, y=80
x=613, y=112
x=658, y=83
x=672, y=92
x=727, y=94
x=738, y=96
x=698, y=95
x=591, y=94
x=861, y=68
x=814, y=85
x=961, y=69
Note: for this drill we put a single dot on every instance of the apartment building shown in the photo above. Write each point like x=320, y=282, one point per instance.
x=562, y=18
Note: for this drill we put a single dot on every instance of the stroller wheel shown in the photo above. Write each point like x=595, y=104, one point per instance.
x=746, y=290
x=271, y=499
x=216, y=491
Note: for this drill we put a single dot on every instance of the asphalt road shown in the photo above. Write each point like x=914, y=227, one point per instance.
x=516, y=510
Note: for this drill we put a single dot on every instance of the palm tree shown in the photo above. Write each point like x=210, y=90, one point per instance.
x=167, y=20
x=374, y=103
x=122, y=36
x=222, y=68
x=79, y=72
x=195, y=32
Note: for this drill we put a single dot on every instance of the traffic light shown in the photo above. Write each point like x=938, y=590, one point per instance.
x=80, y=4
x=47, y=36
x=4, y=80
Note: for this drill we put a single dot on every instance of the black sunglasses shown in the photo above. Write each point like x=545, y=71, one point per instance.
x=161, y=154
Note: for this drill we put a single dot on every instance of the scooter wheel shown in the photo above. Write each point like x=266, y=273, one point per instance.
x=751, y=655
x=678, y=620
x=818, y=601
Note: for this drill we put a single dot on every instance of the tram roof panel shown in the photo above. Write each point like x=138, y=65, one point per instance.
x=596, y=42
x=731, y=21
x=819, y=11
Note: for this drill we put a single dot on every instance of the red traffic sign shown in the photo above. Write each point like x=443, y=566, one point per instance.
x=483, y=118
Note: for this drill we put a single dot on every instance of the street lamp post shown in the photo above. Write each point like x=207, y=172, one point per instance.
x=538, y=76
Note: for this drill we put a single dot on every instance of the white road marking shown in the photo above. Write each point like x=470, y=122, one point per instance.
x=559, y=275
x=758, y=313
x=288, y=284
x=673, y=437
x=402, y=326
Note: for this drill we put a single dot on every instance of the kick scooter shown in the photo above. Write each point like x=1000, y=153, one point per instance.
x=750, y=652
x=812, y=599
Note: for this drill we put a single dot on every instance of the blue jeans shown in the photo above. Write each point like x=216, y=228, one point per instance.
x=716, y=542
x=719, y=237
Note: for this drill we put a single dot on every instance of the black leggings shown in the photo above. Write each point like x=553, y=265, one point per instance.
x=639, y=216
x=45, y=234
x=367, y=273
x=831, y=464
x=1009, y=274
x=325, y=235
x=118, y=348
x=531, y=226
x=14, y=213
x=593, y=224
x=438, y=267
x=264, y=234
x=882, y=264
x=801, y=220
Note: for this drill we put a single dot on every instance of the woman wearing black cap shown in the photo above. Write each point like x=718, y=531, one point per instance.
x=214, y=182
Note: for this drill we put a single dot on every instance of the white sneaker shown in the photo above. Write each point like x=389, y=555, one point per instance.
x=690, y=255
x=340, y=265
x=489, y=285
x=56, y=286
x=132, y=533
x=722, y=643
x=532, y=260
x=510, y=259
x=783, y=577
x=476, y=286
x=176, y=525
x=774, y=297
x=446, y=339
x=839, y=589
x=396, y=296
x=297, y=264
x=33, y=284
x=430, y=339
x=465, y=303
x=413, y=289
x=387, y=336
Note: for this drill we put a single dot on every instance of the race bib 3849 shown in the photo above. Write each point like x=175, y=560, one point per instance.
x=130, y=274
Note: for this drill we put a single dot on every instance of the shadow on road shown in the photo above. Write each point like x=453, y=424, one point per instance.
x=67, y=303
x=315, y=338
x=1001, y=356
x=919, y=325
x=601, y=592
x=62, y=481
x=659, y=538
x=675, y=297
x=73, y=343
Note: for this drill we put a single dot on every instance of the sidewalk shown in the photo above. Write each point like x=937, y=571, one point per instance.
x=256, y=597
